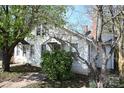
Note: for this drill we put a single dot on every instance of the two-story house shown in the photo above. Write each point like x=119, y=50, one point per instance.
x=31, y=49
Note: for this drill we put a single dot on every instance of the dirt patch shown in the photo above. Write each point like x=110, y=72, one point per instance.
x=22, y=80
x=78, y=81
x=27, y=76
x=20, y=76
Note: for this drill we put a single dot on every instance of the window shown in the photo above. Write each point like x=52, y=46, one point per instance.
x=31, y=50
x=43, y=49
x=24, y=50
x=54, y=46
x=38, y=30
x=17, y=50
x=43, y=32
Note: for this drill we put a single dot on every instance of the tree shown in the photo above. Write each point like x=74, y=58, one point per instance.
x=16, y=22
x=107, y=21
x=121, y=45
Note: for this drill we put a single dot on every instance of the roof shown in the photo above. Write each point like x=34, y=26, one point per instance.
x=25, y=42
x=79, y=35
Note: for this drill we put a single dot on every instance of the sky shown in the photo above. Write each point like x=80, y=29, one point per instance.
x=78, y=17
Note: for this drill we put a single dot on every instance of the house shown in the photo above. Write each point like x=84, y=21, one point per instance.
x=107, y=39
x=30, y=50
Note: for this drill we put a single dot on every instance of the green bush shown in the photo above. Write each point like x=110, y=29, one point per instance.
x=57, y=64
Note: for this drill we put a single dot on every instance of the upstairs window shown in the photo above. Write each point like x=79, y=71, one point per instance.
x=38, y=31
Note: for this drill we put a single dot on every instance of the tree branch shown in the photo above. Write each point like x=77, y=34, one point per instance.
x=113, y=18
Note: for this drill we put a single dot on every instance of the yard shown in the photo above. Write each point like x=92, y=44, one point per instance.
x=27, y=76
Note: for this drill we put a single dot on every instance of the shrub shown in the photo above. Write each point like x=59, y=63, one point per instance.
x=57, y=64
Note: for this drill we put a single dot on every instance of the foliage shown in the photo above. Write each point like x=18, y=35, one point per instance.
x=17, y=21
x=57, y=64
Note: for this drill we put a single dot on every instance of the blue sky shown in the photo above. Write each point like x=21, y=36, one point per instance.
x=78, y=17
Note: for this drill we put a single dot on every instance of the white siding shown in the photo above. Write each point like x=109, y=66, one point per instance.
x=110, y=63
x=78, y=66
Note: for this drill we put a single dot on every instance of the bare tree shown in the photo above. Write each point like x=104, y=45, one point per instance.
x=106, y=17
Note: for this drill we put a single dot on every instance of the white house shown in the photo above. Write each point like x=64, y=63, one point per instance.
x=31, y=49
x=107, y=39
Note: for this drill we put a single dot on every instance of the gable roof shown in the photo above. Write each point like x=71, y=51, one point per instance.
x=51, y=39
x=79, y=35
x=25, y=42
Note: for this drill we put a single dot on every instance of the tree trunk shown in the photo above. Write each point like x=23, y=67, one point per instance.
x=102, y=76
x=121, y=57
x=6, y=57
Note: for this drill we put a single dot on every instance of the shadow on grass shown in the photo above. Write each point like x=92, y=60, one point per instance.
x=25, y=68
